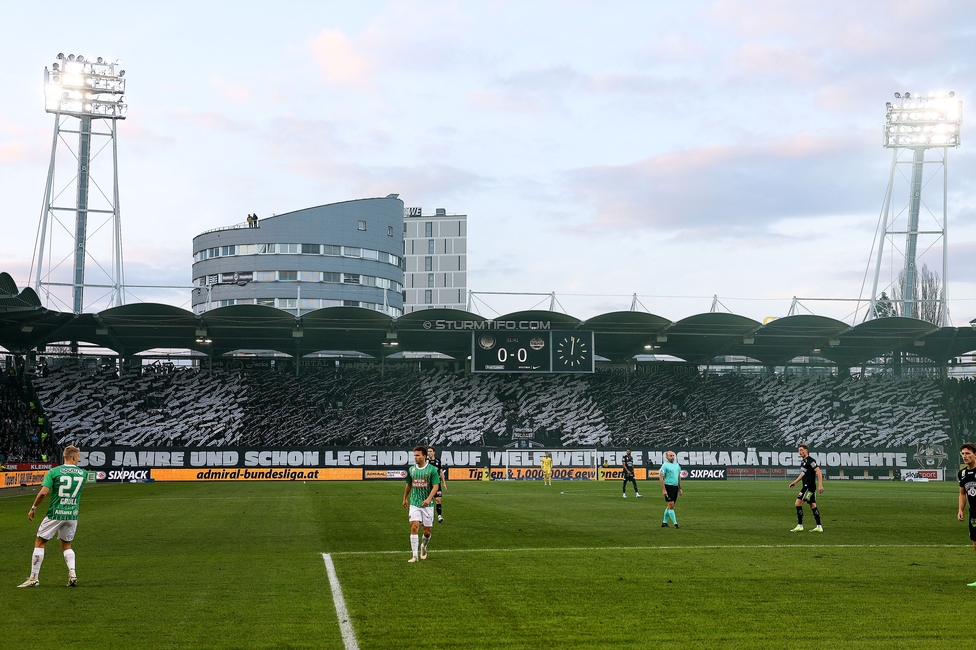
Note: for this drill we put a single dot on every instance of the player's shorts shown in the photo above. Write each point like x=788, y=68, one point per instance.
x=972, y=527
x=65, y=530
x=672, y=495
x=808, y=494
x=424, y=515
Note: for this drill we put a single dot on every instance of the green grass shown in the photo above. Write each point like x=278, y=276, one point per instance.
x=516, y=565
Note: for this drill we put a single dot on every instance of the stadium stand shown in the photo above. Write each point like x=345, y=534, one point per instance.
x=24, y=432
x=359, y=405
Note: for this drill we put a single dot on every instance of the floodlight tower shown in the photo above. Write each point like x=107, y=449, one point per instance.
x=81, y=92
x=914, y=125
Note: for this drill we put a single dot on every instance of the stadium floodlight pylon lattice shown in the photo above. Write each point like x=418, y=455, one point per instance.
x=915, y=125
x=82, y=93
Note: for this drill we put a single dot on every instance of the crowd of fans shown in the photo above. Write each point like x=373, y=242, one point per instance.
x=363, y=406
x=25, y=436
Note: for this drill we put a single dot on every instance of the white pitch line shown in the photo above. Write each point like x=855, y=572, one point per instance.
x=647, y=548
x=345, y=623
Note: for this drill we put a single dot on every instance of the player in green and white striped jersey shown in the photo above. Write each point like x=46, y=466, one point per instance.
x=422, y=482
x=64, y=483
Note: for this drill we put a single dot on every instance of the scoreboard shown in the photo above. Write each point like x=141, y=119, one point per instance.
x=535, y=351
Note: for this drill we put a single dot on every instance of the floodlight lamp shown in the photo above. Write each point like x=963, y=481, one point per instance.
x=952, y=93
x=99, y=60
x=897, y=95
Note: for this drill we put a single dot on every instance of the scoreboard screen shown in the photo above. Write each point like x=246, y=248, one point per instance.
x=532, y=351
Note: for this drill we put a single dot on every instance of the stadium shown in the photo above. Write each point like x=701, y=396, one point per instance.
x=310, y=443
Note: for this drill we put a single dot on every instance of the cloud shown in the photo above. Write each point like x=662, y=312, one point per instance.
x=417, y=183
x=229, y=90
x=210, y=120
x=723, y=189
x=14, y=152
x=339, y=59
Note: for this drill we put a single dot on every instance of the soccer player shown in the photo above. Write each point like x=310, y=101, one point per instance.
x=432, y=459
x=812, y=479
x=547, y=469
x=670, y=475
x=628, y=466
x=967, y=489
x=62, y=514
x=417, y=496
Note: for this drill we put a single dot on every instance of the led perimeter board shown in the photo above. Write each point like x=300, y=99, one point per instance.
x=532, y=351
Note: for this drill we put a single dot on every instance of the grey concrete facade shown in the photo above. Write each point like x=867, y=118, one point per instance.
x=340, y=254
x=436, y=254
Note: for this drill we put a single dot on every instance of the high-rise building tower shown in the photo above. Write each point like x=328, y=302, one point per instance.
x=435, y=248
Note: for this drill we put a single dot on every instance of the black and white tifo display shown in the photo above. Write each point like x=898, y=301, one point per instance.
x=539, y=351
x=256, y=404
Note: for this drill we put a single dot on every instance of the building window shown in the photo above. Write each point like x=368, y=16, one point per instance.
x=428, y=297
x=428, y=263
x=310, y=249
x=267, y=302
x=331, y=250
x=264, y=276
x=429, y=229
x=309, y=276
x=430, y=279
x=430, y=247
x=328, y=276
x=227, y=250
x=225, y=303
x=288, y=248
x=352, y=251
x=350, y=303
x=287, y=303
x=389, y=231
x=288, y=276
x=362, y=225
x=350, y=278
x=310, y=303
x=265, y=249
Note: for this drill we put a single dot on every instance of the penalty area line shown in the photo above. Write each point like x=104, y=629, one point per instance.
x=345, y=623
x=558, y=549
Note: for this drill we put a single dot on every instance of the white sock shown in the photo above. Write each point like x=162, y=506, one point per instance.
x=36, y=559
x=69, y=559
x=426, y=540
x=414, y=542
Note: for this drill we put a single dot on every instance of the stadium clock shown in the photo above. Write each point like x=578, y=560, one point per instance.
x=572, y=351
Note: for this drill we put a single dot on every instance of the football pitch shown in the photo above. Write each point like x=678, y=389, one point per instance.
x=515, y=565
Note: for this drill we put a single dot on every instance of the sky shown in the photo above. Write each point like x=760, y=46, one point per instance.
x=677, y=151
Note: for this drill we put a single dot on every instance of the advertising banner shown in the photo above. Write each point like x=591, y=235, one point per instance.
x=469, y=463
x=29, y=467
x=245, y=474
x=17, y=479
x=923, y=475
x=710, y=474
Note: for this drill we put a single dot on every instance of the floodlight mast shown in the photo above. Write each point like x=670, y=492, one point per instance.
x=916, y=124
x=86, y=90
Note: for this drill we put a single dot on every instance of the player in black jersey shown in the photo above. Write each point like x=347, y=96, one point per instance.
x=812, y=479
x=967, y=490
x=628, y=467
x=432, y=459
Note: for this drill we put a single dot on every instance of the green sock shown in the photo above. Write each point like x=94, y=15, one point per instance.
x=674, y=518
x=666, y=511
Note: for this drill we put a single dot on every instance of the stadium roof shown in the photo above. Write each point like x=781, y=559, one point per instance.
x=25, y=325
